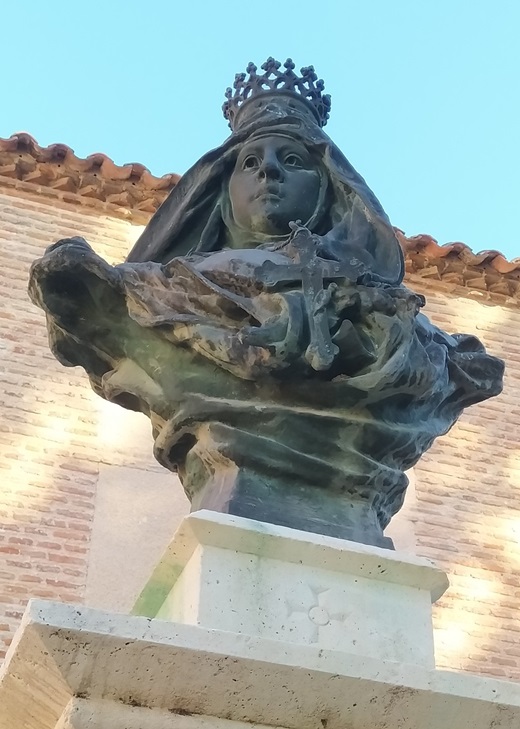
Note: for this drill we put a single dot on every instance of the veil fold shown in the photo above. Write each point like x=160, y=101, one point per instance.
x=190, y=219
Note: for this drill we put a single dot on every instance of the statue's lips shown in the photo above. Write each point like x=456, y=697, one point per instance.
x=269, y=193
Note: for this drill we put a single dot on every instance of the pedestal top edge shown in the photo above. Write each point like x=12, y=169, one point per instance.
x=271, y=541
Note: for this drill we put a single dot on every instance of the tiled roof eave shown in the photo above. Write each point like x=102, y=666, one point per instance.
x=455, y=264
x=97, y=177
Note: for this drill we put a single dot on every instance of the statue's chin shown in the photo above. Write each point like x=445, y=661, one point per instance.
x=270, y=222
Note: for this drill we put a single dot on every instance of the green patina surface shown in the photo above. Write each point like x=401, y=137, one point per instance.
x=157, y=589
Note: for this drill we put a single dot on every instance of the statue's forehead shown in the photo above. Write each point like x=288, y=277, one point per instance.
x=260, y=140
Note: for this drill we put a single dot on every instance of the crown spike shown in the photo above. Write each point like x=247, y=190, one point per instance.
x=307, y=86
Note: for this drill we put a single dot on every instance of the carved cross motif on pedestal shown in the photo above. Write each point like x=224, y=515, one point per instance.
x=321, y=609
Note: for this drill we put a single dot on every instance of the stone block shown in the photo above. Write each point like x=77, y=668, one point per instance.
x=234, y=574
x=73, y=668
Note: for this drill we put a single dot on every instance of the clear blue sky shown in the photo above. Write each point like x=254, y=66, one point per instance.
x=425, y=93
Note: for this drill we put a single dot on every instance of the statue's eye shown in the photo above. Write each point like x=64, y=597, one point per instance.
x=292, y=160
x=251, y=163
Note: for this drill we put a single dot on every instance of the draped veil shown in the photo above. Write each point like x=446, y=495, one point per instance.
x=192, y=217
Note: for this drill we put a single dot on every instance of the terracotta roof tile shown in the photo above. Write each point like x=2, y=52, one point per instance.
x=130, y=186
x=457, y=263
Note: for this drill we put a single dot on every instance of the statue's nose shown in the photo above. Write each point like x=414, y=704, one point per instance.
x=270, y=169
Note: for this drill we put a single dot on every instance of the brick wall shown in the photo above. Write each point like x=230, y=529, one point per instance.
x=49, y=447
x=468, y=502
x=59, y=446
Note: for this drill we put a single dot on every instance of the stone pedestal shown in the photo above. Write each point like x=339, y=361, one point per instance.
x=229, y=573
x=260, y=625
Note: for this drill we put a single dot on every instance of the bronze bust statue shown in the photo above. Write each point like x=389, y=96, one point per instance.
x=261, y=323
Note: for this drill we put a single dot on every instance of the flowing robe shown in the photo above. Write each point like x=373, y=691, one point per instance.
x=217, y=361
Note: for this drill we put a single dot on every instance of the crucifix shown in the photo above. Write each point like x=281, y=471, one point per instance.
x=314, y=273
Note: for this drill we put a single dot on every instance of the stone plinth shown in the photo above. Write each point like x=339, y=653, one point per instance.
x=233, y=574
x=74, y=668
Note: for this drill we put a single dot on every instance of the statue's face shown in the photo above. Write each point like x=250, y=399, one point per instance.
x=274, y=182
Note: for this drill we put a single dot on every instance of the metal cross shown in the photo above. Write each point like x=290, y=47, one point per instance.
x=312, y=272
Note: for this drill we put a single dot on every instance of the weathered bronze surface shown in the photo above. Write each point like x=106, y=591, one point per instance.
x=261, y=323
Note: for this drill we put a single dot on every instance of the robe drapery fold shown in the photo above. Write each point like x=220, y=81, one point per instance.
x=221, y=372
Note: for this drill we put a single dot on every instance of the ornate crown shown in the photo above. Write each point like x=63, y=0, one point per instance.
x=307, y=87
